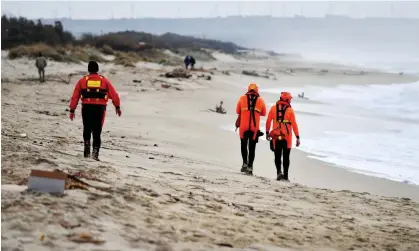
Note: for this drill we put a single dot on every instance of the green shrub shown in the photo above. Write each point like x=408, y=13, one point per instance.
x=32, y=51
x=106, y=49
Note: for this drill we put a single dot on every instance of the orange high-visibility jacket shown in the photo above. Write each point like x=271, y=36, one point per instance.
x=291, y=123
x=94, y=89
x=247, y=122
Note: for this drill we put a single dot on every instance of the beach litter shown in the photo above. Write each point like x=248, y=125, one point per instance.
x=85, y=238
x=205, y=77
x=219, y=108
x=253, y=73
x=57, y=181
x=178, y=73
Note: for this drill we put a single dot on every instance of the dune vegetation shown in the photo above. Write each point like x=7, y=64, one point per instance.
x=26, y=38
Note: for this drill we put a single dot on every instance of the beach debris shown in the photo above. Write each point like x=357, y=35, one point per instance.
x=68, y=225
x=201, y=69
x=223, y=244
x=57, y=181
x=289, y=71
x=205, y=77
x=178, y=73
x=219, y=108
x=166, y=86
x=85, y=238
x=226, y=73
x=136, y=81
x=82, y=174
x=48, y=113
x=55, y=78
x=23, y=135
x=302, y=95
x=47, y=181
x=254, y=74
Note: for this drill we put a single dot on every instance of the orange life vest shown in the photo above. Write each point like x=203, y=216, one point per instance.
x=282, y=131
x=94, y=90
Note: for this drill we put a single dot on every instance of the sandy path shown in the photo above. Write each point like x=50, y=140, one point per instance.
x=172, y=179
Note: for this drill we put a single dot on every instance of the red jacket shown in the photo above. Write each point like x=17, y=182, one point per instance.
x=94, y=89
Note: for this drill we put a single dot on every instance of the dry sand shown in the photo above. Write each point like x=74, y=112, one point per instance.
x=172, y=174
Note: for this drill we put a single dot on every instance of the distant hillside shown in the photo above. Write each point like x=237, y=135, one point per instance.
x=21, y=31
x=129, y=41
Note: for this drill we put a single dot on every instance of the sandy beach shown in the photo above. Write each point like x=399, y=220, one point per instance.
x=171, y=175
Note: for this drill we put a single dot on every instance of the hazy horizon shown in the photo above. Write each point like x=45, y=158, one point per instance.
x=205, y=9
x=384, y=42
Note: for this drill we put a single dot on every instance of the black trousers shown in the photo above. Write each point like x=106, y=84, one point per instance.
x=93, y=118
x=247, y=141
x=282, y=150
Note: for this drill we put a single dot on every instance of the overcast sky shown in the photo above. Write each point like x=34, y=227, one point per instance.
x=174, y=9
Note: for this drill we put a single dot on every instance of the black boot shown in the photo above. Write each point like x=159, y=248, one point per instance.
x=279, y=176
x=244, y=168
x=249, y=170
x=95, y=154
x=86, y=149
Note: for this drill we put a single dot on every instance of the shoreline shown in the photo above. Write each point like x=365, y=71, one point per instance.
x=332, y=115
x=172, y=175
x=358, y=181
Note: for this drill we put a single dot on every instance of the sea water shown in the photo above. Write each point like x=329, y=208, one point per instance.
x=371, y=129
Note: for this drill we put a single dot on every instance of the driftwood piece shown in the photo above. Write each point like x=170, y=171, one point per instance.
x=219, y=108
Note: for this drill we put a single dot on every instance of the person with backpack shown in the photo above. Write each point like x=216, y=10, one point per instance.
x=249, y=109
x=282, y=116
x=94, y=90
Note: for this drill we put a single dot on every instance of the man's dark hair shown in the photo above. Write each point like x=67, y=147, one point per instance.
x=93, y=67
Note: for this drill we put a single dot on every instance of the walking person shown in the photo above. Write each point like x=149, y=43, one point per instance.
x=249, y=109
x=187, y=61
x=284, y=123
x=94, y=90
x=41, y=64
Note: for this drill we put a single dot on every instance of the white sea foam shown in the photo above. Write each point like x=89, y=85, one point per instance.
x=372, y=129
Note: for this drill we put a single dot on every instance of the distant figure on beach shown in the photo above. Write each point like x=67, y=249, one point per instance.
x=249, y=109
x=41, y=63
x=284, y=123
x=301, y=95
x=189, y=60
x=94, y=91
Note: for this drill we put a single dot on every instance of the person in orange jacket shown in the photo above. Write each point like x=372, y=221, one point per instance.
x=284, y=123
x=249, y=108
x=94, y=90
